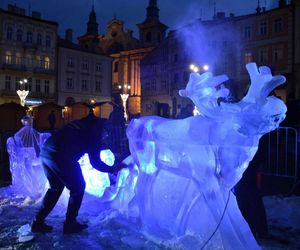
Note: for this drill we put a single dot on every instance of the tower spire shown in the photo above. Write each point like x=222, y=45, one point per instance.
x=258, y=9
x=92, y=25
x=152, y=11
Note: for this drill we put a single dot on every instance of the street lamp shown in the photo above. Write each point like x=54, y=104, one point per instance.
x=22, y=93
x=124, y=97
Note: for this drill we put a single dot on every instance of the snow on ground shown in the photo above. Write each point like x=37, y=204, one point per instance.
x=108, y=229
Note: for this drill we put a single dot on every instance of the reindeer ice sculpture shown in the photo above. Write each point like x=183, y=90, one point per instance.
x=181, y=172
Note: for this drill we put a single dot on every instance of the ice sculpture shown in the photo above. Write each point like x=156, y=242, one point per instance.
x=96, y=181
x=187, y=168
x=28, y=178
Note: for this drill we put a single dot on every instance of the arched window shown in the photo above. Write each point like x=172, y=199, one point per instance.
x=148, y=37
x=47, y=63
x=29, y=37
x=9, y=33
x=19, y=35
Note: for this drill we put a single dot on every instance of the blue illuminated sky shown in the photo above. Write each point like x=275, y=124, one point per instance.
x=74, y=13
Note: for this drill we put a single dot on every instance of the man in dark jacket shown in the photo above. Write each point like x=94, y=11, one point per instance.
x=59, y=156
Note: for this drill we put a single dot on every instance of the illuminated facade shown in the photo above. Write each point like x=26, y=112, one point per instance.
x=229, y=43
x=27, y=51
x=126, y=51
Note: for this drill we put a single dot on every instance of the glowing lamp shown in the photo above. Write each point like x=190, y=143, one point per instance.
x=206, y=67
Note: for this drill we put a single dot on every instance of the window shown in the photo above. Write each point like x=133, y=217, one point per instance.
x=278, y=25
x=164, y=84
x=116, y=67
x=47, y=86
x=84, y=85
x=70, y=62
x=69, y=83
x=247, y=33
x=277, y=54
x=98, y=86
x=153, y=85
x=29, y=37
x=48, y=41
x=248, y=57
x=47, y=63
x=39, y=39
x=29, y=60
x=98, y=67
x=7, y=82
x=8, y=58
x=9, y=33
x=85, y=66
x=19, y=35
x=263, y=29
x=18, y=59
x=263, y=56
x=38, y=85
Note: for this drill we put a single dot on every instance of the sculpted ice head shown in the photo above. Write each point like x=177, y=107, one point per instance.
x=263, y=111
x=256, y=112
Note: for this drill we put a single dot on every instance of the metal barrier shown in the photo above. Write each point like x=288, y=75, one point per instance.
x=281, y=148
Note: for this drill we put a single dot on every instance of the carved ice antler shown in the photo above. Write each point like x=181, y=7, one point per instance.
x=262, y=83
x=201, y=89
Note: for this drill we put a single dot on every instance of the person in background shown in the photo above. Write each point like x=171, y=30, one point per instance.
x=52, y=119
x=59, y=157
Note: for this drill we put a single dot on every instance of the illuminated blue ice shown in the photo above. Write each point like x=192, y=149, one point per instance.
x=181, y=172
x=96, y=181
x=28, y=178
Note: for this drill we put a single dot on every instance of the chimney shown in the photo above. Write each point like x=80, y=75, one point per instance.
x=69, y=35
x=36, y=14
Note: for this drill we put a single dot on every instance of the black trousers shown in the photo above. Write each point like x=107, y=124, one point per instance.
x=62, y=174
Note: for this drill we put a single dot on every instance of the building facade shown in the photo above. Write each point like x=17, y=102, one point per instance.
x=84, y=75
x=126, y=51
x=27, y=51
x=225, y=45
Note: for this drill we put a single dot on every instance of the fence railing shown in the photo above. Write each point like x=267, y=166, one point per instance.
x=281, y=149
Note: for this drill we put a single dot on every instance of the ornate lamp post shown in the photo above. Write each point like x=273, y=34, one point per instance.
x=124, y=97
x=22, y=93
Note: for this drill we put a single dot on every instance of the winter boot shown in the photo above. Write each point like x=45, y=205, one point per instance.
x=40, y=227
x=71, y=227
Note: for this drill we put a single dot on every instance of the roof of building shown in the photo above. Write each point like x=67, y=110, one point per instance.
x=28, y=17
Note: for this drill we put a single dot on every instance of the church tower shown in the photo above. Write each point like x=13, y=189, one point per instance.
x=92, y=25
x=90, y=39
x=152, y=31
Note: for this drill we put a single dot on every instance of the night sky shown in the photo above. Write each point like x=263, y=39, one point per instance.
x=174, y=13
